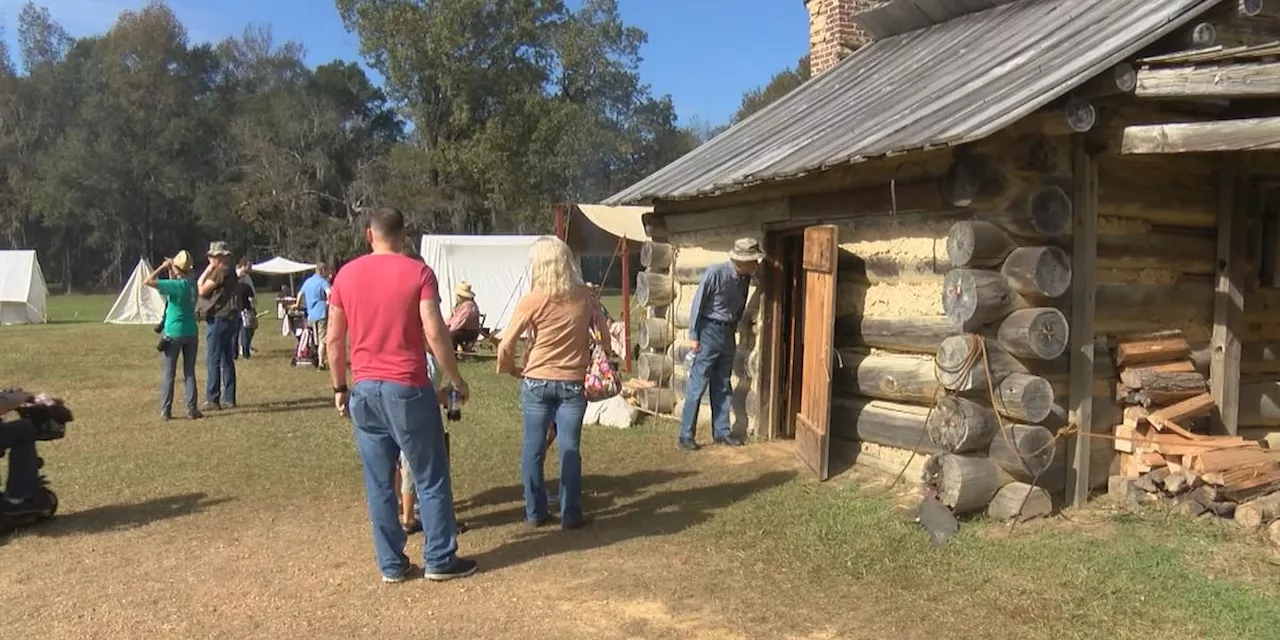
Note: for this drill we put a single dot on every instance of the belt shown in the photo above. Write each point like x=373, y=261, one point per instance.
x=723, y=323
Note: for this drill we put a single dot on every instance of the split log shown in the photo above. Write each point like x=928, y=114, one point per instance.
x=1039, y=212
x=917, y=334
x=1023, y=451
x=972, y=297
x=658, y=400
x=653, y=289
x=881, y=422
x=1024, y=397
x=964, y=483
x=1191, y=382
x=1020, y=500
x=1039, y=333
x=974, y=243
x=655, y=333
x=885, y=377
x=1151, y=351
x=655, y=367
x=656, y=256
x=1038, y=271
x=960, y=425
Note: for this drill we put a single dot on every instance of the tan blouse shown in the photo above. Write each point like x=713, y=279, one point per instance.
x=561, y=345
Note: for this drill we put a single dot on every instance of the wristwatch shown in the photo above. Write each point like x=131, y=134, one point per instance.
x=342, y=389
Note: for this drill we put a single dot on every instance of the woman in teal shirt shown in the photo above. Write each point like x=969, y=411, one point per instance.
x=180, y=334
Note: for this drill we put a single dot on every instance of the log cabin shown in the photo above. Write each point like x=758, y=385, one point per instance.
x=966, y=209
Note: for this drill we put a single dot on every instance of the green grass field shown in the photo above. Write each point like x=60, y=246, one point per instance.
x=252, y=524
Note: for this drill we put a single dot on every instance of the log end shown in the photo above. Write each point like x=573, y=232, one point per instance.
x=1051, y=211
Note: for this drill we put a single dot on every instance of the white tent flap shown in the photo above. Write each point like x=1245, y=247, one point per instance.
x=281, y=267
x=497, y=267
x=622, y=222
x=137, y=303
x=22, y=288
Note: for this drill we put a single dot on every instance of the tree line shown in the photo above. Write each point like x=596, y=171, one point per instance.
x=137, y=141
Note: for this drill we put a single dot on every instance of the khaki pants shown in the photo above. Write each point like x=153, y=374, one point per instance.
x=322, y=334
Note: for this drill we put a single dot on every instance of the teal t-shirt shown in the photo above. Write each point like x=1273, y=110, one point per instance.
x=180, y=312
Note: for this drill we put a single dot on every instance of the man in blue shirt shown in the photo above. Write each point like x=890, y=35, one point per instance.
x=314, y=293
x=718, y=306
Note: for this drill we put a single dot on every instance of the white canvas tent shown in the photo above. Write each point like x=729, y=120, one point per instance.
x=137, y=303
x=22, y=288
x=497, y=267
x=281, y=267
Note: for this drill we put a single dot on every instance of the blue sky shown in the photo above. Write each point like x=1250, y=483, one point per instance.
x=704, y=53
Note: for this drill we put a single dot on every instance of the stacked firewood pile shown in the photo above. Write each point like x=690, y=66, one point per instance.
x=1163, y=452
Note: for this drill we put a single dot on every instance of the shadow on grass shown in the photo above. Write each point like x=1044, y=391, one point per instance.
x=120, y=517
x=300, y=404
x=615, y=519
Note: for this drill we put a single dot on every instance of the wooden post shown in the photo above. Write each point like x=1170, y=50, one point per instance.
x=626, y=303
x=1084, y=257
x=1228, y=301
x=562, y=222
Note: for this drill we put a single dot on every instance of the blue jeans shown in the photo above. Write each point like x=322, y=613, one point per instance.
x=245, y=341
x=186, y=347
x=220, y=360
x=390, y=418
x=712, y=370
x=544, y=402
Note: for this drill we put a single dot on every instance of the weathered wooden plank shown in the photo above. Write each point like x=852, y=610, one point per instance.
x=1256, y=80
x=1246, y=134
x=1228, y=307
x=1084, y=272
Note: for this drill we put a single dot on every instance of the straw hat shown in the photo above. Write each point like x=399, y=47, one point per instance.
x=746, y=250
x=182, y=261
x=463, y=290
x=218, y=249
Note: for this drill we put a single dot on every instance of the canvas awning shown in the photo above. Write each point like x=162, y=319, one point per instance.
x=281, y=267
x=594, y=229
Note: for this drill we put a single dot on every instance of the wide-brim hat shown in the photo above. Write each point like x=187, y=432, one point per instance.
x=463, y=290
x=746, y=250
x=218, y=249
x=182, y=261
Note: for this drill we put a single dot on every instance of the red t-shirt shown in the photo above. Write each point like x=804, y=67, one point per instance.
x=379, y=295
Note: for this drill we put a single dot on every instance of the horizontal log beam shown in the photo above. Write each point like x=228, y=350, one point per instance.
x=914, y=334
x=1247, y=134
x=891, y=424
x=1258, y=80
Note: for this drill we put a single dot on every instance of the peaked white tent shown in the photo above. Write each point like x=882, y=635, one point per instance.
x=22, y=288
x=137, y=303
x=497, y=267
x=281, y=267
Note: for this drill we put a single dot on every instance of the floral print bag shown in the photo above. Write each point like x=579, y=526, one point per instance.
x=602, y=381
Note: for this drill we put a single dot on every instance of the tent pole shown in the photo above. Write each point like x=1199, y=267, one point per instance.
x=626, y=303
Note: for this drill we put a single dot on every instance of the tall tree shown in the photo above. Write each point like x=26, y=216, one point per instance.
x=779, y=85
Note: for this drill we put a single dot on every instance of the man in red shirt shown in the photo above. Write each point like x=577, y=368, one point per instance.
x=386, y=303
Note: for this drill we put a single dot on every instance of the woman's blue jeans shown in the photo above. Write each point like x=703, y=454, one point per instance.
x=545, y=402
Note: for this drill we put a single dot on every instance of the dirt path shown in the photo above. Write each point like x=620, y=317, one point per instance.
x=231, y=568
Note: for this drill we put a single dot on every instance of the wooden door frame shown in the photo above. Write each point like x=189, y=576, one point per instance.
x=774, y=324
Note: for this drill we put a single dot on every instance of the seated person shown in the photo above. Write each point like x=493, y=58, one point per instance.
x=464, y=322
x=22, y=491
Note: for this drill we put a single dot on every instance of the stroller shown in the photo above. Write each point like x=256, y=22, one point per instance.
x=307, y=351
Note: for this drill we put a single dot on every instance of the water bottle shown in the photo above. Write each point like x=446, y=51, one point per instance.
x=688, y=357
x=453, y=408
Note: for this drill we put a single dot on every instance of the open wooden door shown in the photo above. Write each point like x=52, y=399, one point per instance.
x=813, y=419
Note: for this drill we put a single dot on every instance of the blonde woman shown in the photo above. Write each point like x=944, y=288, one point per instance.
x=559, y=312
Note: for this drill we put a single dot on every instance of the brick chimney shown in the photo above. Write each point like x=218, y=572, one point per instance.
x=832, y=31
